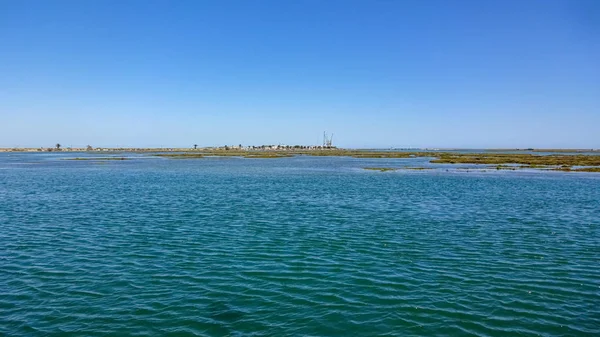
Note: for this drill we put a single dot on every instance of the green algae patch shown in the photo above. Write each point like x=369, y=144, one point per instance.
x=380, y=169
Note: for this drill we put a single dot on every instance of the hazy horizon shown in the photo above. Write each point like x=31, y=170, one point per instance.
x=68, y=146
x=418, y=74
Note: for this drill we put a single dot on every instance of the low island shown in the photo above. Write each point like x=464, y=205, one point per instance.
x=568, y=160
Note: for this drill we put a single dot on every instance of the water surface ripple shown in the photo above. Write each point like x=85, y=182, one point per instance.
x=296, y=246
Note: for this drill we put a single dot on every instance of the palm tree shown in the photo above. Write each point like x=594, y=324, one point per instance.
x=195, y=146
x=57, y=146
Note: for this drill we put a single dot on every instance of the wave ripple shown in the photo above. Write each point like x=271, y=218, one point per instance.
x=298, y=246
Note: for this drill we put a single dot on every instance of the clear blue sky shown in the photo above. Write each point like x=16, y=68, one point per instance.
x=376, y=73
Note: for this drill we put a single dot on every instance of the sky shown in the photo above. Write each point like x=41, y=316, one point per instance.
x=402, y=73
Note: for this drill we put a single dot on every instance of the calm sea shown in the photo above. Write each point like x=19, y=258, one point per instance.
x=294, y=247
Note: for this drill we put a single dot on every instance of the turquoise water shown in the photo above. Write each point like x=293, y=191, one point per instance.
x=294, y=246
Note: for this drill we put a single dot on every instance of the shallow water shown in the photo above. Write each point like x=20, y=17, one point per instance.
x=294, y=246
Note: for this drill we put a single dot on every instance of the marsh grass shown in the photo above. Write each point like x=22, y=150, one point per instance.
x=522, y=159
x=583, y=169
x=500, y=160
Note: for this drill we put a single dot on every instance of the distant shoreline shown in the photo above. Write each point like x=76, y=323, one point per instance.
x=561, y=160
x=284, y=149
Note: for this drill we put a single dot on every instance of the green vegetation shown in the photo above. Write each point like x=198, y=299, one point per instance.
x=500, y=161
x=523, y=159
x=583, y=169
x=380, y=169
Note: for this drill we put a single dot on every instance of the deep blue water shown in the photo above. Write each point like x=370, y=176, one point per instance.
x=306, y=246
